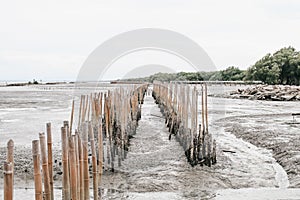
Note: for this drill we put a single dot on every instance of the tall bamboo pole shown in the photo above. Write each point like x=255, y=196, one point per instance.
x=37, y=170
x=206, y=112
x=8, y=181
x=81, y=176
x=85, y=162
x=94, y=161
x=72, y=116
x=80, y=111
x=100, y=139
x=45, y=166
x=77, y=163
x=65, y=158
x=73, y=172
x=50, y=158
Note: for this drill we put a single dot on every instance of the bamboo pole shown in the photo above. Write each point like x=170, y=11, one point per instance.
x=50, y=158
x=81, y=176
x=80, y=111
x=10, y=156
x=214, y=152
x=45, y=166
x=37, y=170
x=206, y=112
x=77, y=163
x=86, y=106
x=65, y=158
x=94, y=161
x=107, y=130
x=10, y=152
x=83, y=109
x=72, y=116
x=203, y=112
x=73, y=172
x=100, y=139
x=8, y=180
x=85, y=162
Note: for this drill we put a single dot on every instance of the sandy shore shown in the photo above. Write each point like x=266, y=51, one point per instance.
x=277, y=132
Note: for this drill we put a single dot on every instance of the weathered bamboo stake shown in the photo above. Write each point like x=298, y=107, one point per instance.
x=10, y=155
x=83, y=110
x=50, y=158
x=107, y=128
x=85, y=162
x=100, y=150
x=92, y=108
x=100, y=138
x=87, y=106
x=73, y=171
x=10, y=152
x=193, y=125
x=206, y=112
x=111, y=145
x=37, y=170
x=203, y=132
x=94, y=161
x=208, y=145
x=214, y=152
x=196, y=125
x=65, y=158
x=203, y=112
x=45, y=166
x=80, y=111
x=72, y=116
x=123, y=122
x=8, y=180
x=81, y=176
x=77, y=163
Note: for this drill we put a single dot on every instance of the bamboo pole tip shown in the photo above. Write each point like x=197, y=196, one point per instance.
x=64, y=130
x=66, y=123
x=10, y=143
x=42, y=135
x=48, y=125
x=35, y=147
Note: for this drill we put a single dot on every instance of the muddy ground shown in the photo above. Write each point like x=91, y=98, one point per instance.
x=251, y=136
x=274, y=132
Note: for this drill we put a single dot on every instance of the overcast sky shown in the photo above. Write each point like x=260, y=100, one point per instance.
x=50, y=41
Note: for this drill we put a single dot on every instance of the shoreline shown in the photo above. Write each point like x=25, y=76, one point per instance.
x=282, y=144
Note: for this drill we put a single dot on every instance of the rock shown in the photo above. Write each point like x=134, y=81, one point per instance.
x=268, y=92
x=245, y=96
x=288, y=97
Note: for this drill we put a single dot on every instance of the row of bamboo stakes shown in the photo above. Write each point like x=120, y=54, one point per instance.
x=106, y=121
x=179, y=104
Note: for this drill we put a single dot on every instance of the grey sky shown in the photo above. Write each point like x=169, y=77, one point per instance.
x=51, y=40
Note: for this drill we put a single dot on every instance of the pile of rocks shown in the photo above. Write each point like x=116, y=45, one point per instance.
x=269, y=92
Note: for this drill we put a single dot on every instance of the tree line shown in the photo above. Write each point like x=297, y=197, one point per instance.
x=281, y=67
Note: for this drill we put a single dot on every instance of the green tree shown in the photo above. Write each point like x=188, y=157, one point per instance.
x=280, y=68
x=232, y=74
